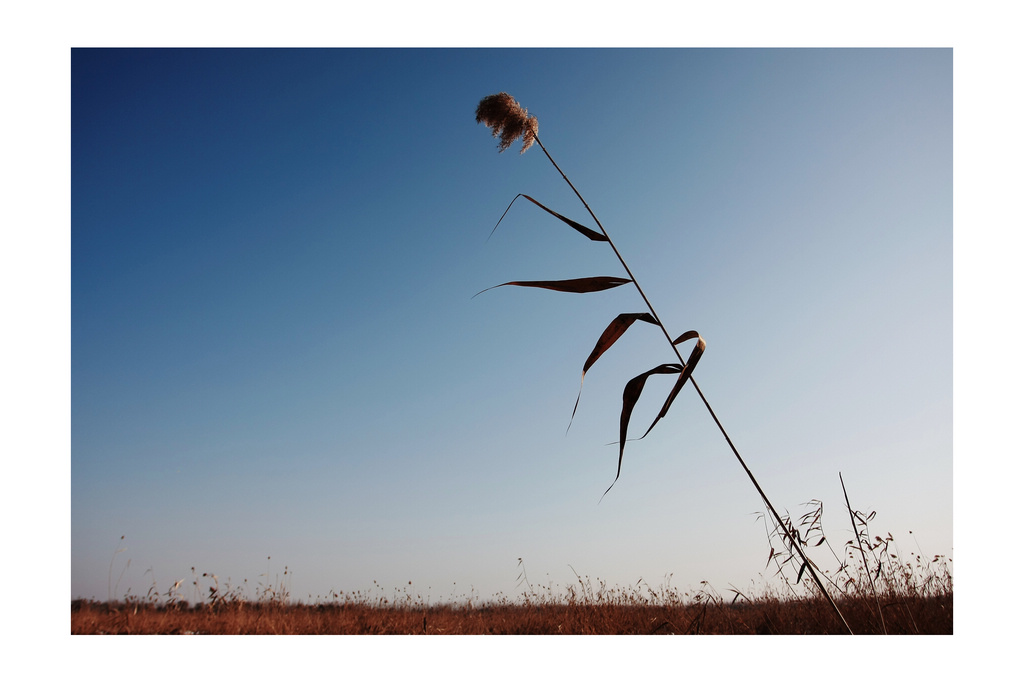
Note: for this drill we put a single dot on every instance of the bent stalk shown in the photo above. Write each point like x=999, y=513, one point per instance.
x=675, y=349
x=510, y=121
x=863, y=554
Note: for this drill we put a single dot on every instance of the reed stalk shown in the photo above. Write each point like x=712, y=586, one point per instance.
x=509, y=121
x=863, y=554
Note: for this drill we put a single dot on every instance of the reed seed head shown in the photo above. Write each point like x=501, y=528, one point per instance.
x=507, y=120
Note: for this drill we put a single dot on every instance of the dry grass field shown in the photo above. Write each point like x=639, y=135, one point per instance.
x=914, y=615
x=882, y=594
x=874, y=587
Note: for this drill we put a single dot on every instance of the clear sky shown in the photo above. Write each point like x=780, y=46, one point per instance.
x=275, y=349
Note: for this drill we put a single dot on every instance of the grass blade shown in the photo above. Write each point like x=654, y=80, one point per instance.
x=630, y=396
x=585, y=231
x=691, y=363
x=583, y=285
x=610, y=335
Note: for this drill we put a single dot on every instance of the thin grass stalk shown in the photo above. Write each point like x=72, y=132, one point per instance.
x=863, y=555
x=668, y=337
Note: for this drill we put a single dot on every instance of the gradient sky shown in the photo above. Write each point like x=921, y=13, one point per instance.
x=275, y=350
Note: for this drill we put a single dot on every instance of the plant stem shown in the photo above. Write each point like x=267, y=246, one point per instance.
x=795, y=542
x=863, y=554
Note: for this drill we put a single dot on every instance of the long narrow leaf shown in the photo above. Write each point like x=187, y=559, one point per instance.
x=613, y=332
x=582, y=285
x=630, y=396
x=585, y=231
x=691, y=363
x=610, y=335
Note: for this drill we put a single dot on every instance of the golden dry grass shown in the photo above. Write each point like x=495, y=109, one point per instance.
x=917, y=615
x=890, y=596
x=876, y=588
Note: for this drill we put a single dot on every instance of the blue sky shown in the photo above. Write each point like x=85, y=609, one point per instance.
x=275, y=349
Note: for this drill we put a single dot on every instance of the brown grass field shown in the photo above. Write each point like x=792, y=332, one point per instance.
x=913, y=615
x=876, y=589
x=887, y=596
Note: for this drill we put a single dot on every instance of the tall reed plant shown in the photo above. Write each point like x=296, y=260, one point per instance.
x=510, y=122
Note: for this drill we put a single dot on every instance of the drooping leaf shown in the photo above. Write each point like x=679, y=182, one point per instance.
x=585, y=231
x=610, y=335
x=503, y=215
x=691, y=362
x=582, y=285
x=630, y=396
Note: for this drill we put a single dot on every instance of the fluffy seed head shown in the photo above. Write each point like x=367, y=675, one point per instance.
x=507, y=120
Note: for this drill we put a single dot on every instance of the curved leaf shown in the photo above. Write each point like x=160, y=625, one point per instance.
x=610, y=335
x=691, y=363
x=582, y=285
x=630, y=396
x=585, y=231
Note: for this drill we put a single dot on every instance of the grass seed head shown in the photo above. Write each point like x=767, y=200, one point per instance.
x=507, y=120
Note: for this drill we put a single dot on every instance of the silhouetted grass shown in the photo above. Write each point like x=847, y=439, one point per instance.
x=877, y=590
x=764, y=615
